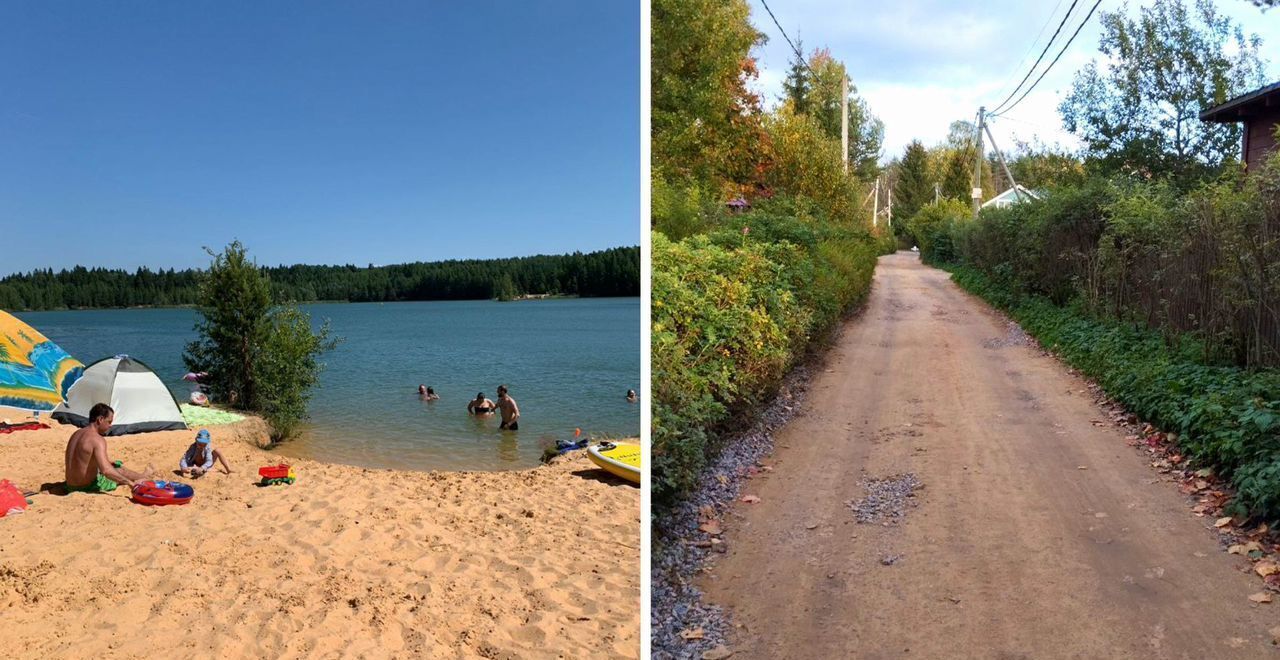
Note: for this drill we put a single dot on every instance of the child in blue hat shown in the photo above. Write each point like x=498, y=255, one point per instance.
x=200, y=457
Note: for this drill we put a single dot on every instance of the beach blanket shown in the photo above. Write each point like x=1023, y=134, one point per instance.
x=196, y=416
x=25, y=426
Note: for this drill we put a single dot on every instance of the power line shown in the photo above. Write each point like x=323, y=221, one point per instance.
x=1032, y=46
x=793, y=46
x=1055, y=59
x=1041, y=58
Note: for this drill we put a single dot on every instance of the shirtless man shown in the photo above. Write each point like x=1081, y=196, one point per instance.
x=510, y=411
x=480, y=405
x=89, y=470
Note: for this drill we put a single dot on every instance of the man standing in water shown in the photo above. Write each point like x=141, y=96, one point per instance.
x=510, y=411
x=88, y=468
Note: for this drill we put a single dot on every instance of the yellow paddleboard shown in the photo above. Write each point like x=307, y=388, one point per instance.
x=621, y=460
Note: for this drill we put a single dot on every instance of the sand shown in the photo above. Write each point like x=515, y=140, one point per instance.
x=347, y=562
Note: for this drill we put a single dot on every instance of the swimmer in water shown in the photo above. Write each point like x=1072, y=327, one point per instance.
x=631, y=396
x=481, y=405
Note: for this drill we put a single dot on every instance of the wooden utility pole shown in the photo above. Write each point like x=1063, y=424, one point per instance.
x=977, y=166
x=844, y=120
x=1017, y=194
x=875, y=206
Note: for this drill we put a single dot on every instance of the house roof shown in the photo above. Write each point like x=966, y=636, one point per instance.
x=1238, y=108
x=1009, y=193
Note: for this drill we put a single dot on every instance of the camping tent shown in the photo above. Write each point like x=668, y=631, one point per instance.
x=34, y=373
x=131, y=388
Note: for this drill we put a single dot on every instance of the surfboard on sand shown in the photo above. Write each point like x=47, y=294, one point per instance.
x=620, y=460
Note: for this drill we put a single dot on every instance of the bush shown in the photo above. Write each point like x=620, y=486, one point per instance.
x=259, y=357
x=933, y=227
x=733, y=311
x=1226, y=417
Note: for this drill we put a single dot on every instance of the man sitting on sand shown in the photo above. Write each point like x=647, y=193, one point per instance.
x=481, y=405
x=510, y=411
x=89, y=469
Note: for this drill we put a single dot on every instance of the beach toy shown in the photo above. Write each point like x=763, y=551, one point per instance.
x=199, y=399
x=277, y=474
x=618, y=460
x=162, y=493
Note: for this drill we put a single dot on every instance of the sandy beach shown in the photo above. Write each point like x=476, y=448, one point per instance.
x=347, y=562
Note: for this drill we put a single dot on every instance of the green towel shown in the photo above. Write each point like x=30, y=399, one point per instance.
x=202, y=416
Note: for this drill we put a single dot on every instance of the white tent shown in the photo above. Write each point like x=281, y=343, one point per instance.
x=140, y=399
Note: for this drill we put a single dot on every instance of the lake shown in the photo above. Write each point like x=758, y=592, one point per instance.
x=567, y=362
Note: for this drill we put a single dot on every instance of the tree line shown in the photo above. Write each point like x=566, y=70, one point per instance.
x=612, y=272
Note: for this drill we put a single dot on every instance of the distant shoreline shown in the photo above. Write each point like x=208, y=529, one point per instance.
x=523, y=298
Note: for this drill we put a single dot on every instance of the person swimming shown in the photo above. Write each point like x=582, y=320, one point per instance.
x=631, y=396
x=481, y=405
x=431, y=395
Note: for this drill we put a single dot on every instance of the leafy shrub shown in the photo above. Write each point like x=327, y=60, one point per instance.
x=1226, y=417
x=733, y=310
x=933, y=226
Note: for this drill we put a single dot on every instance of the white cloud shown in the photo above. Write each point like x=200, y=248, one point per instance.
x=922, y=64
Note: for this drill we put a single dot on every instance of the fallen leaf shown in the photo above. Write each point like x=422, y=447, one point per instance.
x=1199, y=508
x=1082, y=467
x=711, y=527
x=1261, y=597
x=1201, y=484
x=750, y=499
x=1275, y=635
x=1222, y=522
x=718, y=653
x=811, y=526
x=1206, y=472
x=692, y=633
x=1236, y=549
x=1265, y=568
x=1252, y=546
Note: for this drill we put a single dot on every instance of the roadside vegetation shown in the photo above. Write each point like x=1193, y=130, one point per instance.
x=1152, y=261
x=761, y=239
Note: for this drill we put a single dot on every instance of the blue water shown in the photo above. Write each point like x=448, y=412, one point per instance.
x=568, y=364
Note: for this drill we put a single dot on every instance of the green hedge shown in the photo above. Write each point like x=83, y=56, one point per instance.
x=733, y=311
x=1226, y=417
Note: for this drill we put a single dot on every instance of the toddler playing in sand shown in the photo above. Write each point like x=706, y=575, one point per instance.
x=200, y=456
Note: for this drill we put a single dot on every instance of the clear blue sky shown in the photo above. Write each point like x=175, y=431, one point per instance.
x=133, y=133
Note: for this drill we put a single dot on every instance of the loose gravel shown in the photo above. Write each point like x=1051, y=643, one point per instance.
x=887, y=499
x=681, y=549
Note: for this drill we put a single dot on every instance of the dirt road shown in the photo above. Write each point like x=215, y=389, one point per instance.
x=1036, y=534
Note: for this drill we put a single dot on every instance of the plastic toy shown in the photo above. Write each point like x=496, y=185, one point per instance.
x=162, y=493
x=277, y=474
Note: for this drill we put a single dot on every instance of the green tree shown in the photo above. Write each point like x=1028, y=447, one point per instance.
x=705, y=121
x=1138, y=110
x=260, y=357
x=796, y=86
x=957, y=174
x=866, y=131
x=913, y=188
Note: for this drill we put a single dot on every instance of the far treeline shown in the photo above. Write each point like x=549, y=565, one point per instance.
x=613, y=272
